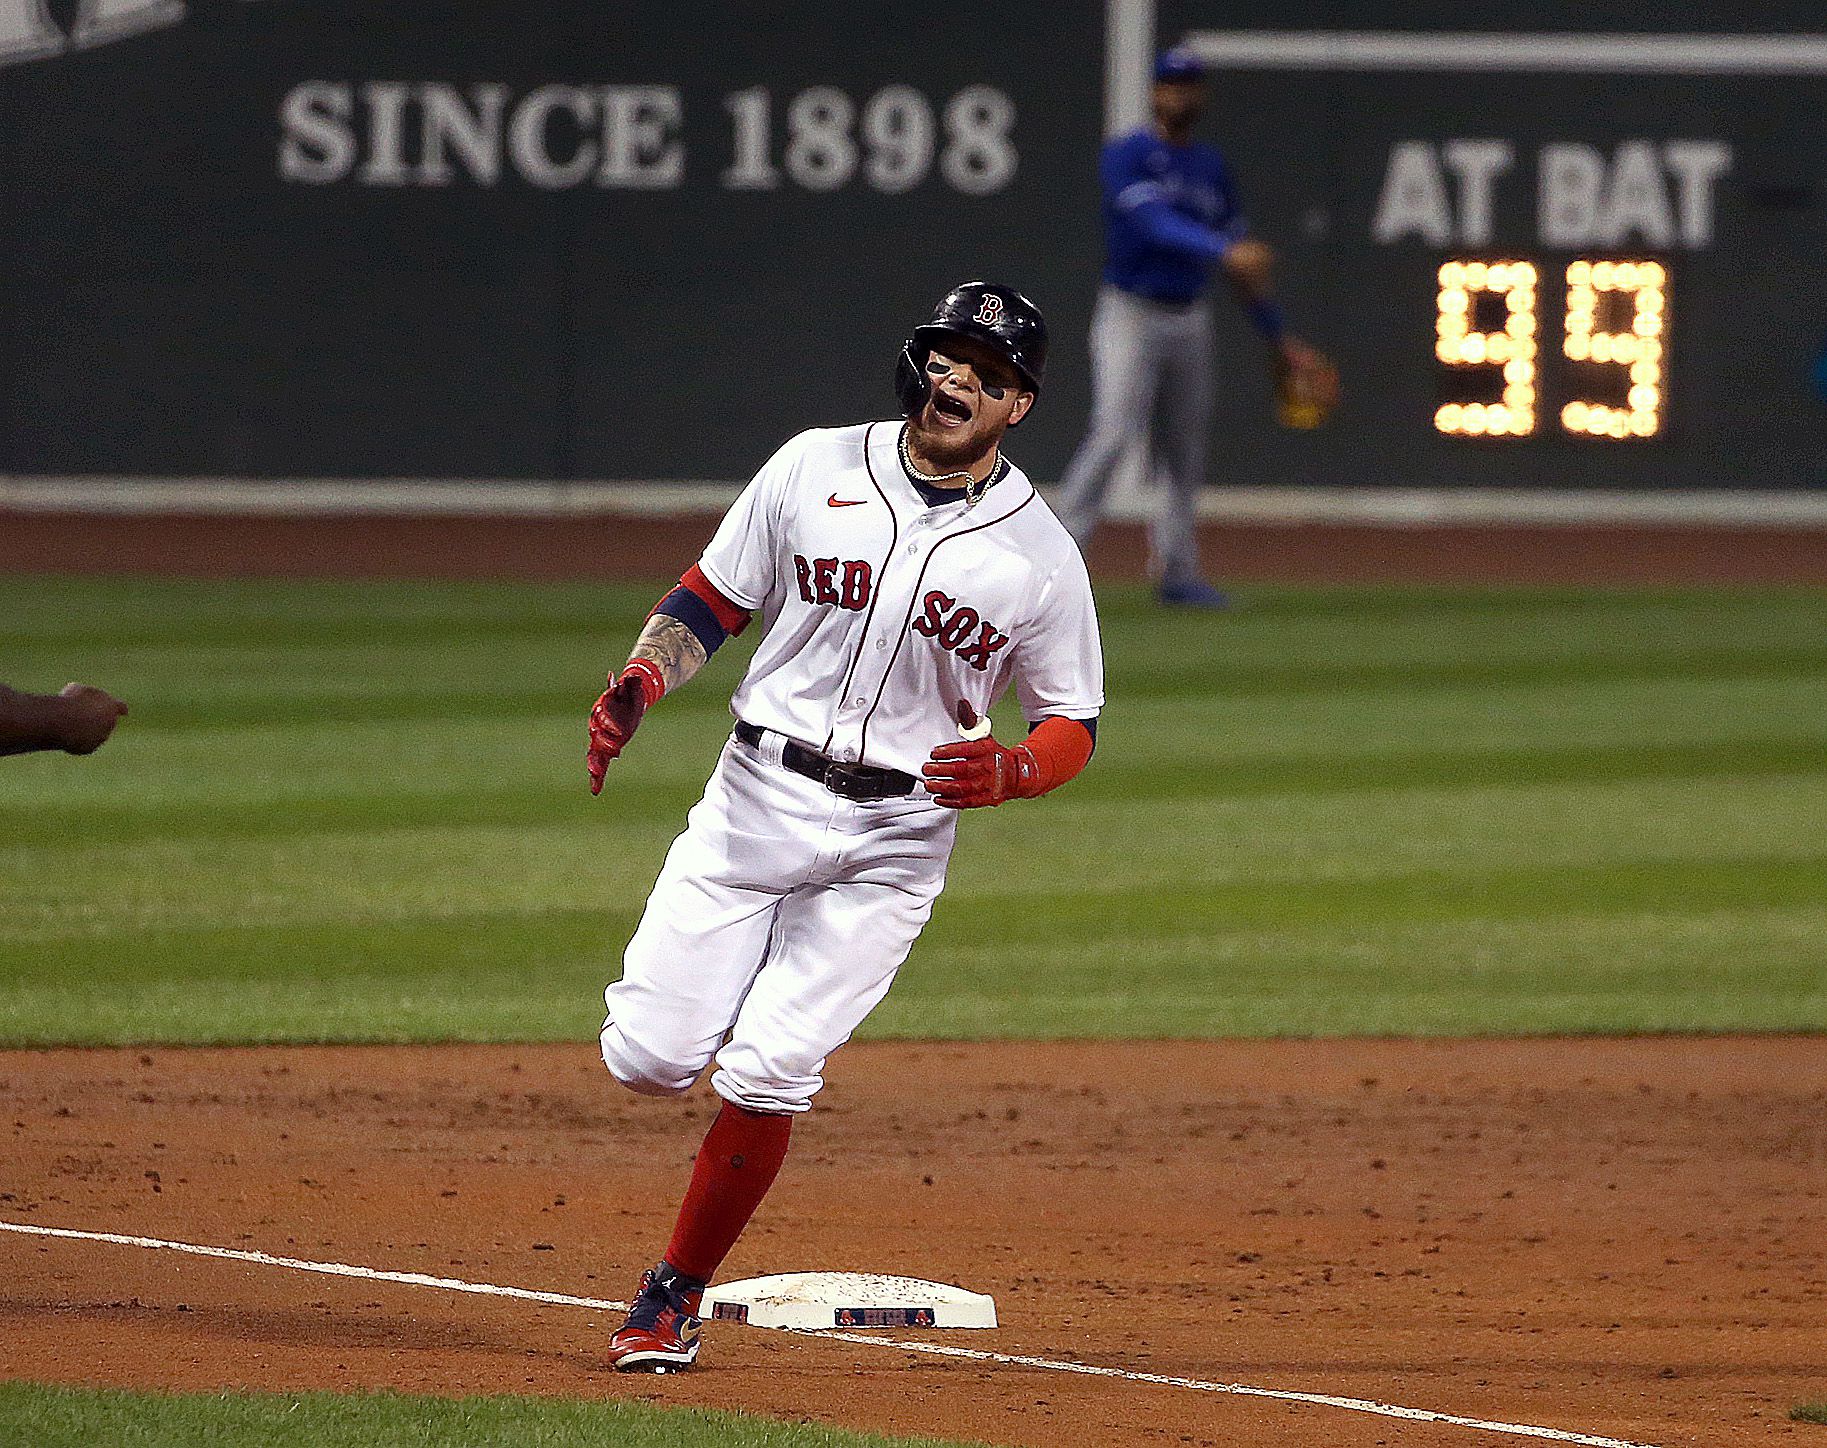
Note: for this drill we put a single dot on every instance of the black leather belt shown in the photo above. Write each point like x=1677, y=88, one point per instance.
x=852, y=781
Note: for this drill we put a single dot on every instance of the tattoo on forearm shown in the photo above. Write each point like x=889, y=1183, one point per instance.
x=672, y=648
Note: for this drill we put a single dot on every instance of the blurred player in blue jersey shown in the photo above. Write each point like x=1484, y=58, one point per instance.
x=1170, y=218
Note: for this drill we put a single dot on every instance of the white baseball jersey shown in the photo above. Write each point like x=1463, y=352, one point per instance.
x=882, y=612
x=784, y=911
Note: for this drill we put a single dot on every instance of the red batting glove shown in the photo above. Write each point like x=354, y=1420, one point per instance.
x=978, y=772
x=618, y=714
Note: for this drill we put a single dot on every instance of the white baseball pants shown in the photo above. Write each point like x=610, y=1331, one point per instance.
x=778, y=922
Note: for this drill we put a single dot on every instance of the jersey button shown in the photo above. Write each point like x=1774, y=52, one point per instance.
x=912, y=549
x=881, y=643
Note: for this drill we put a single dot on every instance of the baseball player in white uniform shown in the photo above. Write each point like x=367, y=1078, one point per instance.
x=905, y=574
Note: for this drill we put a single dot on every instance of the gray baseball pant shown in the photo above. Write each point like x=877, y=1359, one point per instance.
x=1151, y=377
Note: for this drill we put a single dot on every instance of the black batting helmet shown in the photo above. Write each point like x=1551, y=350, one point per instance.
x=999, y=317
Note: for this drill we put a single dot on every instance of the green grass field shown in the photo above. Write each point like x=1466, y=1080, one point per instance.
x=358, y=812
x=44, y=1417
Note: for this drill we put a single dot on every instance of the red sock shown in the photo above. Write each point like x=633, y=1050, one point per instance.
x=738, y=1162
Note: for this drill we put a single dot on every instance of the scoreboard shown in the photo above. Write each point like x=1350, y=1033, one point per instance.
x=264, y=240
x=1542, y=258
x=1489, y=325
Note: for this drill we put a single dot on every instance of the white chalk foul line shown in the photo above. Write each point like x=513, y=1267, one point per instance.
x=1244, y=1390
x=328, y=1269
x=1055, y=1365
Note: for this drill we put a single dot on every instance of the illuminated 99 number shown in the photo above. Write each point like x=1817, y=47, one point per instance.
x=1513, y=347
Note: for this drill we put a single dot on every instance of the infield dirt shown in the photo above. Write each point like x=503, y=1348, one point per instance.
x=1620, y=1237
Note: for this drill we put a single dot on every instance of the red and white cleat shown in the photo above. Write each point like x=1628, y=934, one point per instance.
x=661, y=1333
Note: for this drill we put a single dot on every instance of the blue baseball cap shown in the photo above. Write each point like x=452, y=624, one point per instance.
x=1179, y=64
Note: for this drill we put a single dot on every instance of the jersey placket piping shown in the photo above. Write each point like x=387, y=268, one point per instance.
x=913, y=600
x=862, y=639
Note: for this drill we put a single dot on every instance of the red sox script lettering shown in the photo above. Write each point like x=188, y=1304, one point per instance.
x=821, y=582
x=960, y=629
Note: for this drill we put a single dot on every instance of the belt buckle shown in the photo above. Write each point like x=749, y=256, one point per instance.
x=843, y=780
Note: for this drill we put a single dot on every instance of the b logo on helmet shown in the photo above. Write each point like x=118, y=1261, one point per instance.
x=990, y=313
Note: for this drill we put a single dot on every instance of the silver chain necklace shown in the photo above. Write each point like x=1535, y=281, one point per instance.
x=973, y=489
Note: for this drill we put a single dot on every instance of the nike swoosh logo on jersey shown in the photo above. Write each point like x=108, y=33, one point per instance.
x=836, y=502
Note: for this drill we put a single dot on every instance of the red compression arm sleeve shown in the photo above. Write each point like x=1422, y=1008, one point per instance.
x=1061, y=748
x=733, y=617
x=725, y=619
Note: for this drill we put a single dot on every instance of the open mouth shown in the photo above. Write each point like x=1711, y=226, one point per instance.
x=950, y=410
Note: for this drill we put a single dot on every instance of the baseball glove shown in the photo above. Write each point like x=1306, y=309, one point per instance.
x=1306, y=386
